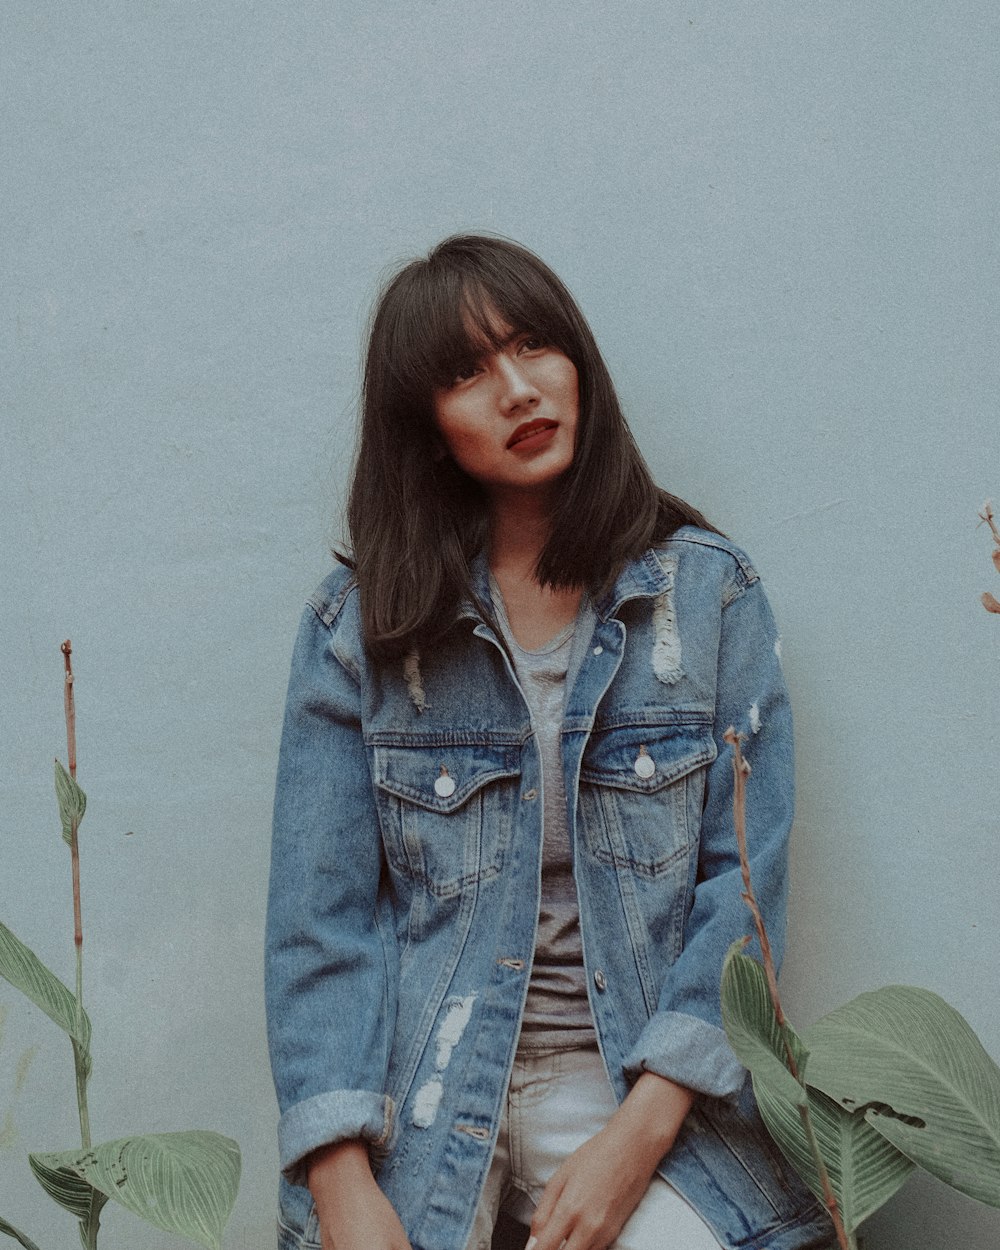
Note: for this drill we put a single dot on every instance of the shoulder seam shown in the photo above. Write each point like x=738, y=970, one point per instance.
x=746, y=573
x=328, y=607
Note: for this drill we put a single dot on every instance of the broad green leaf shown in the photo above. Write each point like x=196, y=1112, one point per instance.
x=26, y=972
x=67, y=1188
x=919, y=1074
x=72, y=802
x=753, y=1030
x=864, y=1169
x=23, y=1238
x=185, y=1183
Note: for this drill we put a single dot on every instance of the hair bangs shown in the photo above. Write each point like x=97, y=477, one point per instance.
x=448, y=313
x=504, y=292
x=425, y=337
x=494, y=310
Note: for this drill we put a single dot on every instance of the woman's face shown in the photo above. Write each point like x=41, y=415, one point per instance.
x=509, y=418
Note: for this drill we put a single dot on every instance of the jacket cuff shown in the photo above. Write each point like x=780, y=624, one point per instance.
x=689, y=1051
x=340, y=1115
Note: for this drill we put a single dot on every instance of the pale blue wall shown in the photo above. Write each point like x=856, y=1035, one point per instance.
x=781, y=219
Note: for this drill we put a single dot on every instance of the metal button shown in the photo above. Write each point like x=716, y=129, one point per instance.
x=598, y=651
x=644, y=766
x=528, y=795
x=599, y=981
x=444, y=787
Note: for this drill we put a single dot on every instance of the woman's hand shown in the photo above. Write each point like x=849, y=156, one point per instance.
x=591, y=1194
x=353, y=1212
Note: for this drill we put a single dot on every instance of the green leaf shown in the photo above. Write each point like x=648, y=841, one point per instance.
x=917, y=1071
x=864, y=1169
x=26, y=972
x=23, y=1238
x=185, y=1183
x=753, y=1030
x=72, y=802
x=66, y=1187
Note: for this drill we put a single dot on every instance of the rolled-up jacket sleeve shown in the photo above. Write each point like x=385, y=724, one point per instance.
x=684, y=1039
x=328, y=971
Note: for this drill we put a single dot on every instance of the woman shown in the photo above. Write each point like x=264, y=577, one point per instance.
x=504, y=874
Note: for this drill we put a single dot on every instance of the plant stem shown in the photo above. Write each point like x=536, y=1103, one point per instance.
x=80, y=1065
x=89, y=1227
x=79, y=1057
x=70, y=710
x=741, y=771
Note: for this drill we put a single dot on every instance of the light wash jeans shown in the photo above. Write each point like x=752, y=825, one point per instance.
x=557, y=1099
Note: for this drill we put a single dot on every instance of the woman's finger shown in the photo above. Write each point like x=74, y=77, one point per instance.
x=552, y=1222
x=547, y=1203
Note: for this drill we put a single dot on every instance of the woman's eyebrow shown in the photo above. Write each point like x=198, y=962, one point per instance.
x=486, y=345
x=514, y=334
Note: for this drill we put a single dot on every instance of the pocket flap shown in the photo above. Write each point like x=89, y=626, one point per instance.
x=645, y=758
x=442, y=778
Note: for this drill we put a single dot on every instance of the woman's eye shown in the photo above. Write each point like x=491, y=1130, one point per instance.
x=532, y=343
x=464, y=372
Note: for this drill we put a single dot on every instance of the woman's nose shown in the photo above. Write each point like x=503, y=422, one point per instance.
x=517, y=387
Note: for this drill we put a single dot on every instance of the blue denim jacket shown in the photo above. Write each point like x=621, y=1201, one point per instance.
x=406, y=872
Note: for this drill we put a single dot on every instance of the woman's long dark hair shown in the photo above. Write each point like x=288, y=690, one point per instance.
x=415, y=519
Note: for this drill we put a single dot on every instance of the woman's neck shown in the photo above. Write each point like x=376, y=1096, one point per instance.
x=519, y=530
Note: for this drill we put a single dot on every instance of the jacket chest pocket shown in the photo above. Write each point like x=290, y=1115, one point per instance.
x=445, y=810
x=641, y=794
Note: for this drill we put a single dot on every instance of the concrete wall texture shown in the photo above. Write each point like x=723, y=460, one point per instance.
x=781, y=220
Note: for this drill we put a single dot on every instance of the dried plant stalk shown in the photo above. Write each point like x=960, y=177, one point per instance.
x=989, y=602
x=741, y=771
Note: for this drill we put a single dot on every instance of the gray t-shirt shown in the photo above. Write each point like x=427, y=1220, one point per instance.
x=557, y=1013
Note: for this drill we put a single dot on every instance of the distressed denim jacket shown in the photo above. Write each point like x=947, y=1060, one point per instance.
x=406, y=873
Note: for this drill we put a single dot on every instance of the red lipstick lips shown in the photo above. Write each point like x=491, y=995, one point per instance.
x=531, y=430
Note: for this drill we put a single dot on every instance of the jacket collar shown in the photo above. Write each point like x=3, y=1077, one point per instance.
x=479, y=607
x=643, y=578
